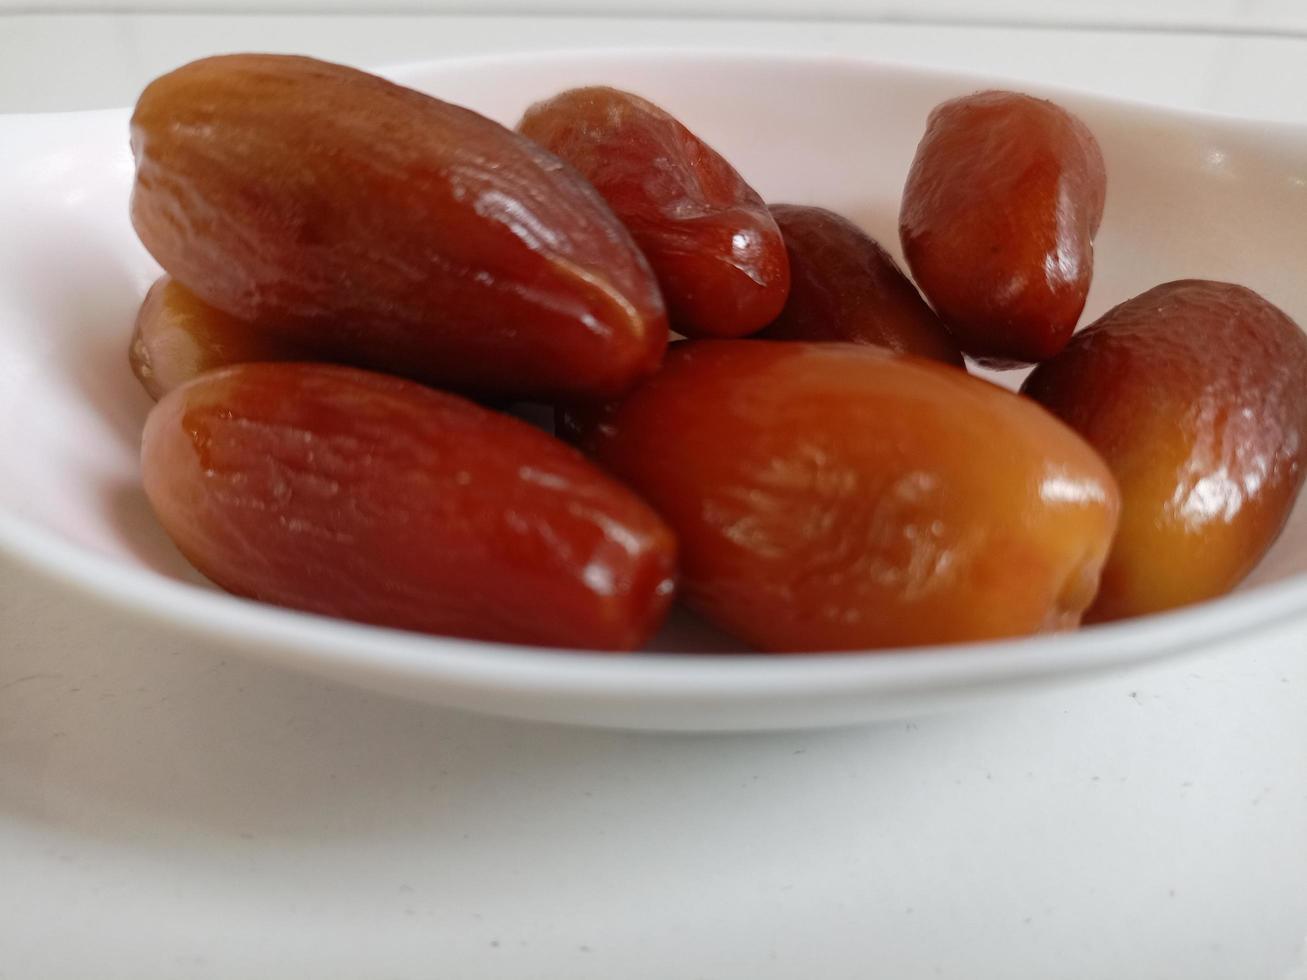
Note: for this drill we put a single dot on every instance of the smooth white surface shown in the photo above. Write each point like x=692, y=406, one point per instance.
x=1227, y=15
x=837, y=132
x=168, y=814
x=165, y=813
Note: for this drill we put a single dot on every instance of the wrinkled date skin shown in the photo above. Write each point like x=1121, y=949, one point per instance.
x=368, y=497
x=1195, y=393
x=842, y=497
x=998, y=219
x=844, y=286
x=178, y=337
x=712, y=242
x=389, y=230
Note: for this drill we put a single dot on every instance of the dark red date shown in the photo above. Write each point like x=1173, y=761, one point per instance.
x=1194, y=394
x=841, y=497
x=357, y=495
x=178, y=337
x=844, y=286
x=383, y=228
x=998, y=219
x=717, y=252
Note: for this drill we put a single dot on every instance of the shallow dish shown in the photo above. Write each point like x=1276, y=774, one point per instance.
x=1189, y=196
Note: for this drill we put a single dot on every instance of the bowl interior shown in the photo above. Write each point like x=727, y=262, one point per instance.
x=1189, y=196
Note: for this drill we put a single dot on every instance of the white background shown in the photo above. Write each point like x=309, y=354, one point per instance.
x=165, y=812
x=1233, y=16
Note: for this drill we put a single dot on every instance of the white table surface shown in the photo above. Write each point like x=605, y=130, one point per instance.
x=168, y=813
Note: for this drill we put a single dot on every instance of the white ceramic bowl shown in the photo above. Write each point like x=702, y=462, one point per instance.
x=1188, y=195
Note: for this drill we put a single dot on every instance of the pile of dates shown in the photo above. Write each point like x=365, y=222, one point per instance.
x=361, y=279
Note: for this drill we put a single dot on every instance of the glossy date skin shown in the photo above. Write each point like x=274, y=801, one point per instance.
x=842, y=497
x=178, y=337
x=997, y=222
x=1195, y=392
x=717, y=252
x=844, y=286
x=390, y=230
x=371, y=498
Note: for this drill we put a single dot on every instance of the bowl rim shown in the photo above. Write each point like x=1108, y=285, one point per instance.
x=623, y=55
x=300, y=638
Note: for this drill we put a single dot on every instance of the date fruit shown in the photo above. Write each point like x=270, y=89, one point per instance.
x=998, y=219
x=717, y=252
x=179, y=337
x=1195, y=393
x=372, y=498
x=389, y=230
x=832, y=496
x=844, y=286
